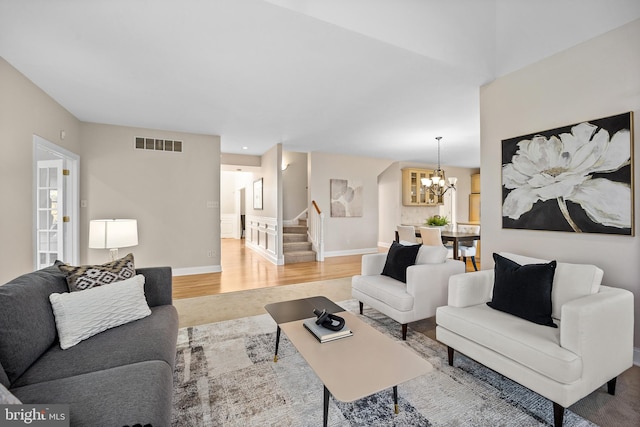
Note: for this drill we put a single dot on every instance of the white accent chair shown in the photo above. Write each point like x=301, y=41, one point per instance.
x=418, y=298
x=468, y=249
x=592, y=345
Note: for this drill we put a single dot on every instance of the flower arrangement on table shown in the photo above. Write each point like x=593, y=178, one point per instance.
x=437, y=221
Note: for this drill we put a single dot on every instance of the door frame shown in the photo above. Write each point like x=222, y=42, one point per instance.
x=71, y=202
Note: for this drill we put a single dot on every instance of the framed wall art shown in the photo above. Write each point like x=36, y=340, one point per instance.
x=576, y=178
x=346, y=198
x=257, y=194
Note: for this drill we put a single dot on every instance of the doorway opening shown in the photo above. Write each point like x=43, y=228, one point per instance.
x=56, y=215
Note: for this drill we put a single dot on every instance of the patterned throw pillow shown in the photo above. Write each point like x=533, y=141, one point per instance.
x=91, y=276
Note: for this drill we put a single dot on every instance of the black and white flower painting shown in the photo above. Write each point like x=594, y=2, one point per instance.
x=576, y=178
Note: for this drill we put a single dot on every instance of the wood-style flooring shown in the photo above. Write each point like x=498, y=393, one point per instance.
x=245, y=269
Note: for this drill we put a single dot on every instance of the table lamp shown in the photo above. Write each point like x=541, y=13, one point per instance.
x=113, y=234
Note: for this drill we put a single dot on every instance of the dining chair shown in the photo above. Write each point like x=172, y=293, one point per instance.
x=432, y=236
x=468, y=248
x=407, y=233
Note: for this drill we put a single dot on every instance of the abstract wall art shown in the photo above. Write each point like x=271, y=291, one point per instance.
x=346, y=198
x=576, y=178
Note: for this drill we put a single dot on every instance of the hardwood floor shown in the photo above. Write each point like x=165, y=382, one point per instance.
x=244, y=269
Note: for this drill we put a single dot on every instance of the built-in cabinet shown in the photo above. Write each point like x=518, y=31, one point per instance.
x=413, y=192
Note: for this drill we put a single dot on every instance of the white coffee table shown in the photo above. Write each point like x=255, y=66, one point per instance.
x=358, y=366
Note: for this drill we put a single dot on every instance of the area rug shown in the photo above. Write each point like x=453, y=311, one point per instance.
x=225, y=376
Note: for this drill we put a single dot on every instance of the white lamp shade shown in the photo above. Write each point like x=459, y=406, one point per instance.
x=426, y=182
x=113, y=233
x=453, y=180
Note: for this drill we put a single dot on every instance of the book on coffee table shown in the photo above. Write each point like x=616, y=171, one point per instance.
x=323, y=334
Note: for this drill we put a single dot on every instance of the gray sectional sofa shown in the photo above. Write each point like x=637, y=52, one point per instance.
x=120, y=377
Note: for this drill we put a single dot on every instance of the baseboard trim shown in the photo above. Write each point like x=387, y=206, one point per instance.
x=636, y=356
x=187, y=271
x=351, y=252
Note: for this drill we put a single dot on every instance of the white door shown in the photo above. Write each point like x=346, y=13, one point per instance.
x=49, y=212
x=56, y=214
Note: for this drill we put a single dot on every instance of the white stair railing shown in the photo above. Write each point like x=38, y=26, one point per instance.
x=316, y=231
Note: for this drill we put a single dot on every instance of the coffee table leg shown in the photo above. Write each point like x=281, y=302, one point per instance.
x=275, y=358
x=395, y=399
x=325, y=412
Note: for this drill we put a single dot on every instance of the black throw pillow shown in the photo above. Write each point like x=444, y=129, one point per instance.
x=523, y=290
x=398, y=259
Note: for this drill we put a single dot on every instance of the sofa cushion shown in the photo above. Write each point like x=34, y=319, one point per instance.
x=431, y=254
x=90, y=276
x=151, y=338
x=534, y=346
x=27, y=325
x=571, y=281
x=399, y=258
x=523, y=290
x=80, y=315
x=383, y=288
x=139, y=393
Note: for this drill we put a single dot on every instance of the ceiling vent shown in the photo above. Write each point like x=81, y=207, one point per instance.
x=154, y=144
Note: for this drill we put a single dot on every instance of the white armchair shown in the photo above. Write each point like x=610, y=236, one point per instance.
x=425, y=289
x=592, y=345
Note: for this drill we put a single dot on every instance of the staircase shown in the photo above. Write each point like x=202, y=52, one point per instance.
x=296, y=245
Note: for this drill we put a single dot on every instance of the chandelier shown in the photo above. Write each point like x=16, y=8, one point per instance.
x=436, y=184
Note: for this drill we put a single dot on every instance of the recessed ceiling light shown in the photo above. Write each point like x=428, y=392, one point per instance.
x=245, y=148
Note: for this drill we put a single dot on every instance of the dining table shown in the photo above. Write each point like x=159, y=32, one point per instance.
x=456, y=237
x=450, y=236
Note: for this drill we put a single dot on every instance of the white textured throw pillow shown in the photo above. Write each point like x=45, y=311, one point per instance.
x=431, y=254
x=80, y=315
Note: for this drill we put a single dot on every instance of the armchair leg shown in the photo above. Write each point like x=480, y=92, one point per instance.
x=404, y=332
x=611, y=387
x=473, y=261
x=361, y=306
x=558, y=415
x=450, y=355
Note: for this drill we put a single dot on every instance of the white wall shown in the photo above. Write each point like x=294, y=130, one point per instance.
x=353, y=235
x=264, y=225
x=598, y=78
x=168, y=193
x=25, y=110
x=294, y=184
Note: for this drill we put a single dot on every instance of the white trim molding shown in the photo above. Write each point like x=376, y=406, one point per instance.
x=262, y=236
x=187, y=271
x=362, y=251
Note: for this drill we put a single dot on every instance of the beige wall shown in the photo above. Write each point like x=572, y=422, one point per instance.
x=347, y=235
x=294, y=184
x=596, y=79
x=25, y=110
x=166, y=192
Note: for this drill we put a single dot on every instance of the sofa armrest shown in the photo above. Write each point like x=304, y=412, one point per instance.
x=471, y=288
x=158, y=285
x=373, y=264
x=599, y=328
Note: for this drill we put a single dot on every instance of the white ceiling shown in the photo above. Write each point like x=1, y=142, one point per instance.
x=378, y=78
